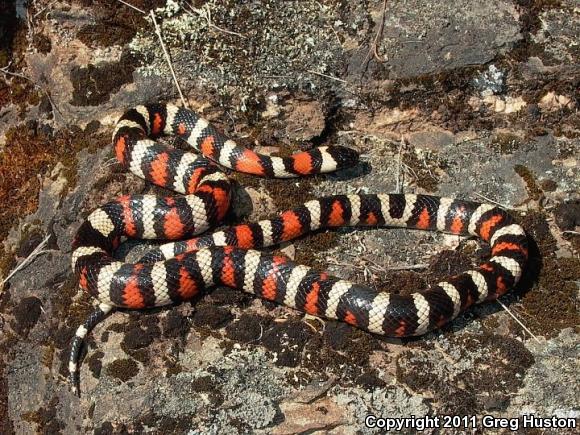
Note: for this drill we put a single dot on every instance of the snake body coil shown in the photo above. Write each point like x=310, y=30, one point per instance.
x=179, y=270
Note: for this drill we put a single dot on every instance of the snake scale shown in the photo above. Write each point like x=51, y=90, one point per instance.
x=181, y=269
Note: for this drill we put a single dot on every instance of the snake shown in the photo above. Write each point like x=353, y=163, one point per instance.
x=191, y=262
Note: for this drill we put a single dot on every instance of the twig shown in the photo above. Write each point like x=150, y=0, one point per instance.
x=399, y=187
x=44, y=8
x=373, y=50
x=110, y=162
x=326, y=75
x=30, y=25
x=5, y=71
x=10, y=73
x=133, y=7
x=315, y=318
x=335, y=262
x=320, y=5
x=165, y=52
x=507, y=207
x=410, y=171
x=205, y=13
x=271, y=76
x=517, y=320
x=35, y=253
x=446, y=356
x=335, y=34
x=167, y=57
x=576, y=233
x=379, y=35
x=409, y=267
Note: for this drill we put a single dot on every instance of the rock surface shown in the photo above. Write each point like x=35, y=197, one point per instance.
x=469, y=99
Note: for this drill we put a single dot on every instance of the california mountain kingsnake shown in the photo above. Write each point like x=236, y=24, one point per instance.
x=179, y=270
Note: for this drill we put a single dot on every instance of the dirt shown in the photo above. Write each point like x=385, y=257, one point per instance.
x=472, y=102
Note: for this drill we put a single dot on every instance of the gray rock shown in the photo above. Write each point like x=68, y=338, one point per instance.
x=423, y=37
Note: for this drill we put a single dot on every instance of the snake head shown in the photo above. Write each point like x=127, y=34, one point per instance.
x=343, y=156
